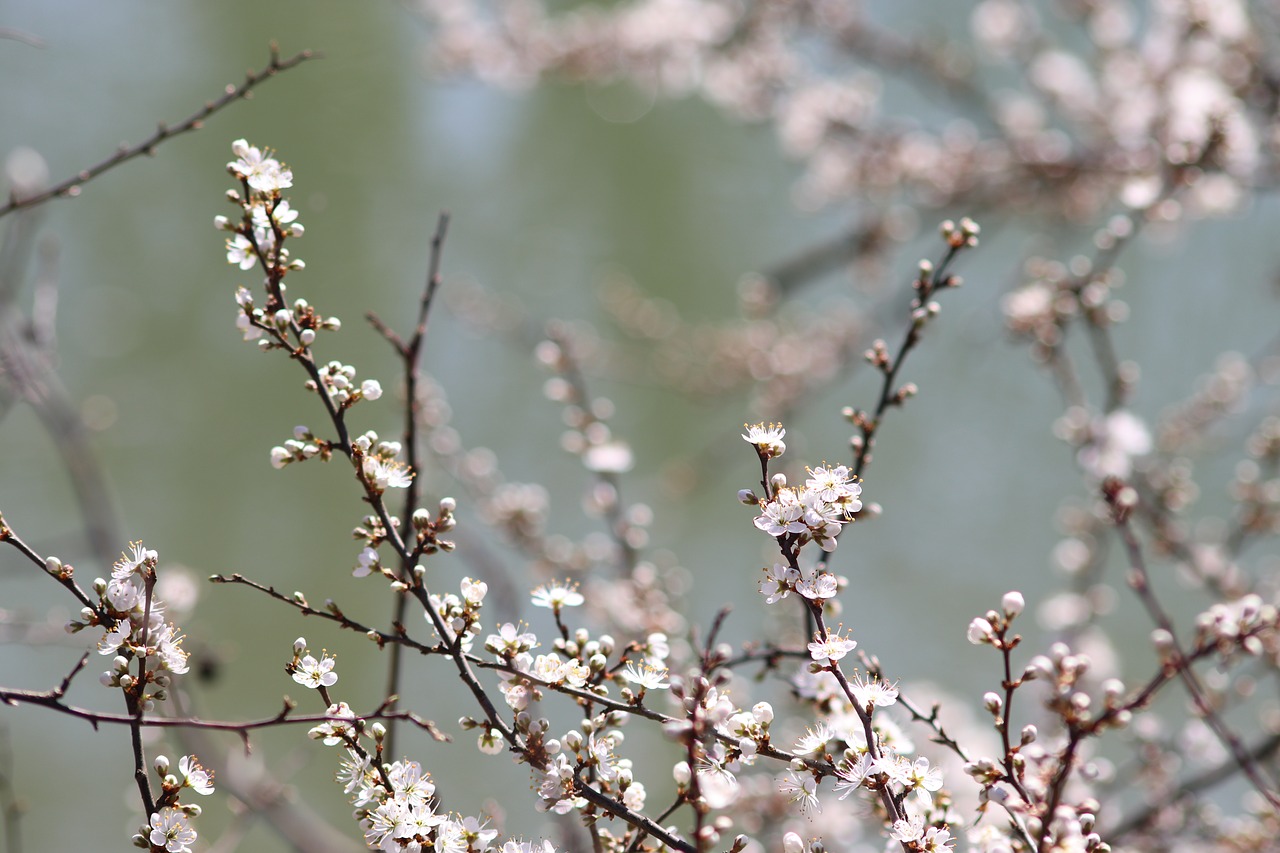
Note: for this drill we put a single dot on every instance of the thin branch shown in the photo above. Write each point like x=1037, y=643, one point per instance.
x=926, y=287
x=52, y=700
x=1138, y=821
x=410, y=355
x=639, y=821
x=64, y=575
x=1140, y=582
x=71, y=186
x=613, y=512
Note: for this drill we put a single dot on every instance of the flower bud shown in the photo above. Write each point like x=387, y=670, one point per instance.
x=980, y=631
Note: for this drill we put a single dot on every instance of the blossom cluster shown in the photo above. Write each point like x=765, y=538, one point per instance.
x=269, y=218
x=616, y=653
x=134, y=627
x=1074, y=124
x=258, y=238
x=854, y=739
x=379, y=465
x=169, y=827
x=814, y=512
x=396, y=803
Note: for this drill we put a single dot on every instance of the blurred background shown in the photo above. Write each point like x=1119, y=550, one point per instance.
x=558, y=192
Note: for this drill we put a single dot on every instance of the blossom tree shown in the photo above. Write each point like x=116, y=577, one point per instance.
x=801, y=739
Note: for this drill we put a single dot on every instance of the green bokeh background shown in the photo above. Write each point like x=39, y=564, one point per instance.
x=548, y=198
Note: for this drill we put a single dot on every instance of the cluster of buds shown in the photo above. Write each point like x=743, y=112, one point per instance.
x=429, y=531
x=961, y=236
x=461, y=613
x=372, y=531
x=304, y=445
x=1246, y=624
x=1064, y=672
x=994, y=628
x=338, y=381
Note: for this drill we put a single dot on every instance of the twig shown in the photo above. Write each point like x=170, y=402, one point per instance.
x=639, y=821
x=71, y=186
x=1226, y=770
x=1140, y=582
x=52, y=700
x=571, y=371
x=410, y=355
x=64, y=576
x=936, y=280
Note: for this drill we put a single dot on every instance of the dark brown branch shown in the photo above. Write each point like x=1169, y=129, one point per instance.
x=52, y=700
x=410, y=354
x=639, y=821
x=71, y=186
x=65, y=576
